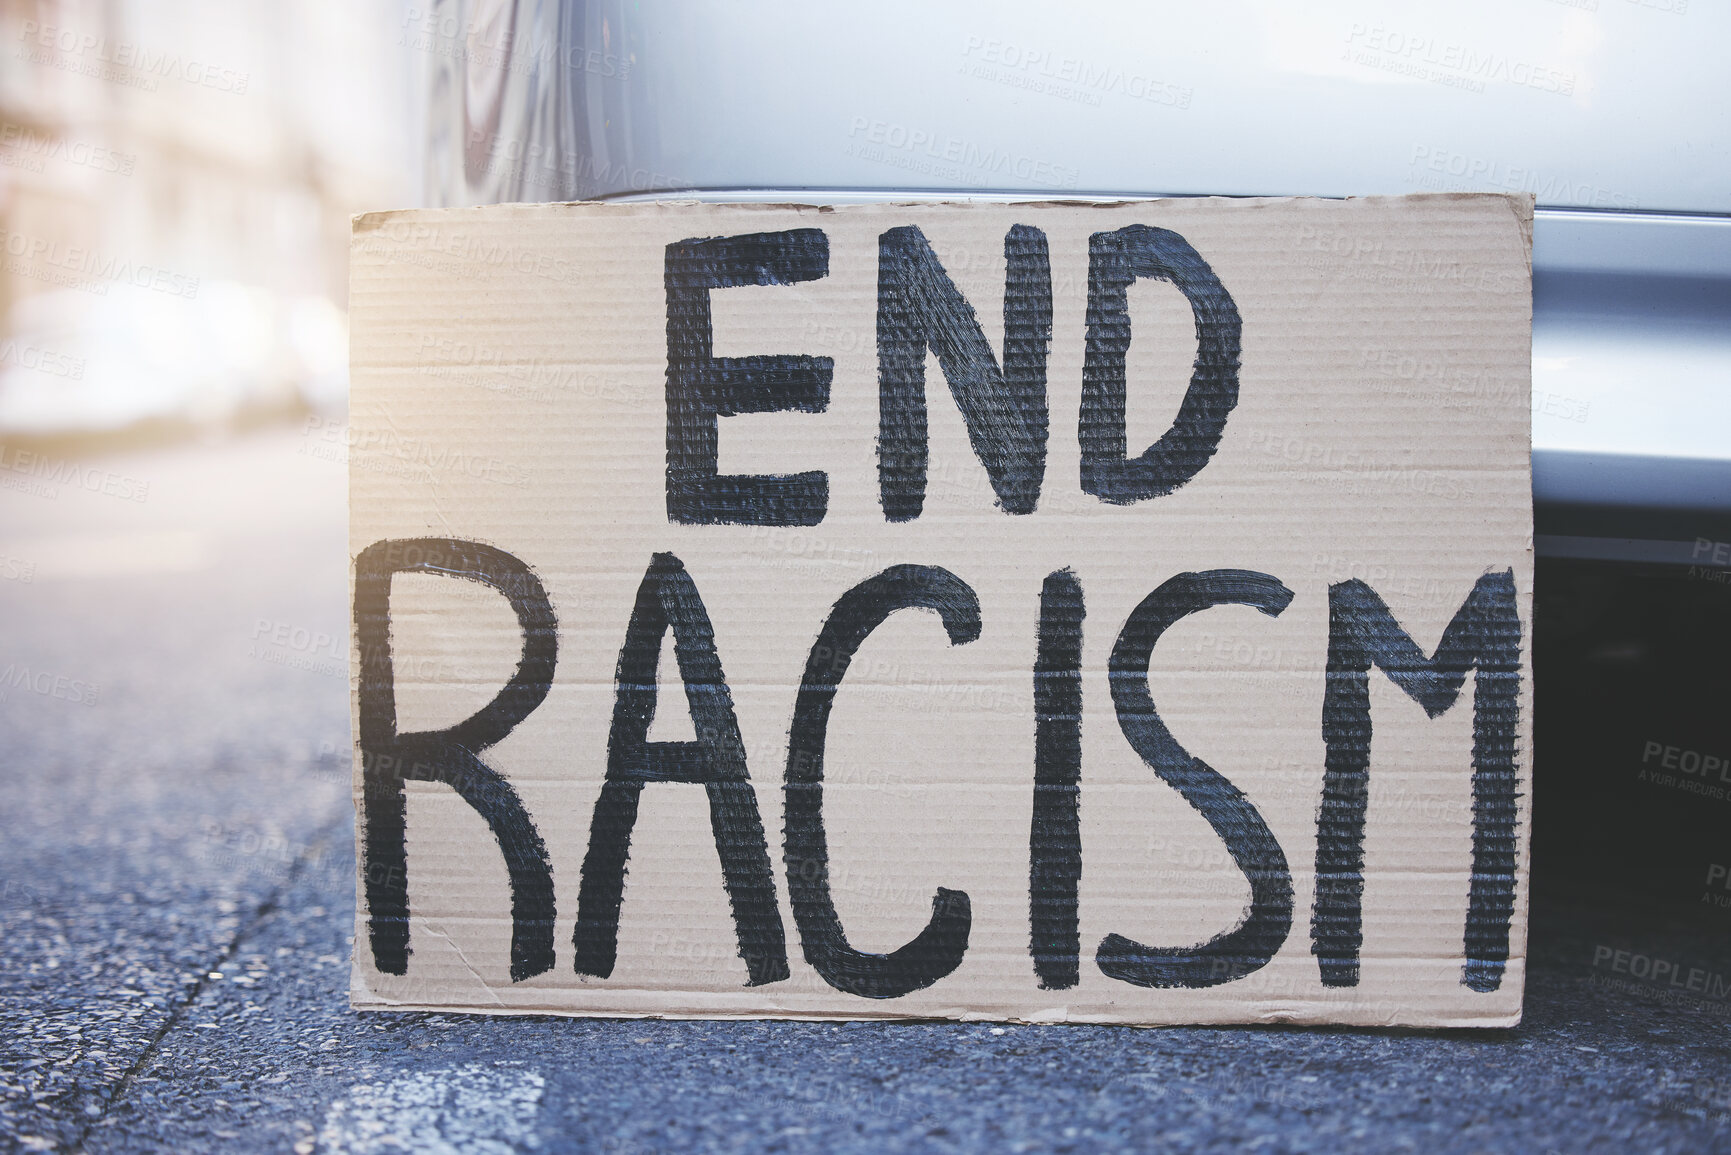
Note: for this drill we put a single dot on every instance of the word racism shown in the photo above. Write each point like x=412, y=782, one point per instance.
x=1005, y=408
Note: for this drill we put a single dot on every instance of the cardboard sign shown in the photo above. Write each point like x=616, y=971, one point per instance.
x=1046, y=612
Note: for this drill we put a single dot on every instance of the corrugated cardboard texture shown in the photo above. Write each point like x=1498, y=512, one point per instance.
x=512, y=374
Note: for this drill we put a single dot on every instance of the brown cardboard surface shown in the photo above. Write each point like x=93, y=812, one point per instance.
x=510, y=387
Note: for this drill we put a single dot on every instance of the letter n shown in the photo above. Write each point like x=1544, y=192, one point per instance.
x=920, y=308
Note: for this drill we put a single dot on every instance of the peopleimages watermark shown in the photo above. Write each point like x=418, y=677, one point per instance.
x=501, y=368
x=39, y=475
x=31, y=149
x=1718, y=556
x=551, y=166
x=1667, y=974
x=1065, y=77
x=1373, y=258
x=388, y=452
x=795, y=543
x=1407, y=587
x=42, y=359
x=1345, y=467
x=1452, y=65
x=503, y=48
x=238, y=849
x=1226, y=1091
x=47, y=683
x=18, y=894
x=122, y=61
x=1444, y=384
x=1547, y=404
x=1440, y=169
x=931, y=153
x=1716, y=552
x=297, y=647
x=433, y=247
x=1691, y=771
x=76, y=267
x=1718, y=892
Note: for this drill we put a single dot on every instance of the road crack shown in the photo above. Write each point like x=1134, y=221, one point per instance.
x=177, y=1012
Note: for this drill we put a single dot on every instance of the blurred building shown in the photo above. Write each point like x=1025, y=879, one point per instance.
x=176, y=181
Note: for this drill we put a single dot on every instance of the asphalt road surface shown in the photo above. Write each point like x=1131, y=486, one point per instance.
x=176, y=905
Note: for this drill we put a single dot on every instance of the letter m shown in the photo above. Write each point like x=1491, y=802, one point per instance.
x=1484, y=637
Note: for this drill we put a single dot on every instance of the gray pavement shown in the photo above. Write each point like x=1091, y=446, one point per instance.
x=176, y=905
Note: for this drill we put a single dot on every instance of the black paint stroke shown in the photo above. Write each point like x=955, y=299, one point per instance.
x=1485, y=637
x=1268, y=918
x=450, y=755
x=919, y=307
x=668, y=599
x=938, y=948
x=1115, y=260
x=1055, y=834
x=702, y=386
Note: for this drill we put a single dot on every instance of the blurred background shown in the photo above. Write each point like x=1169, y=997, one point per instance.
x=176, y=179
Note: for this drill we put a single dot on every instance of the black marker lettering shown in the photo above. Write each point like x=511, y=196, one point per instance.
x=1115, y=260
x=936, y=950
x=1234, y=817
x=702, y=387
x=1485, y=637
x=919, y=307
x=388, y=759
x=1055, y=836
x=668, y=599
